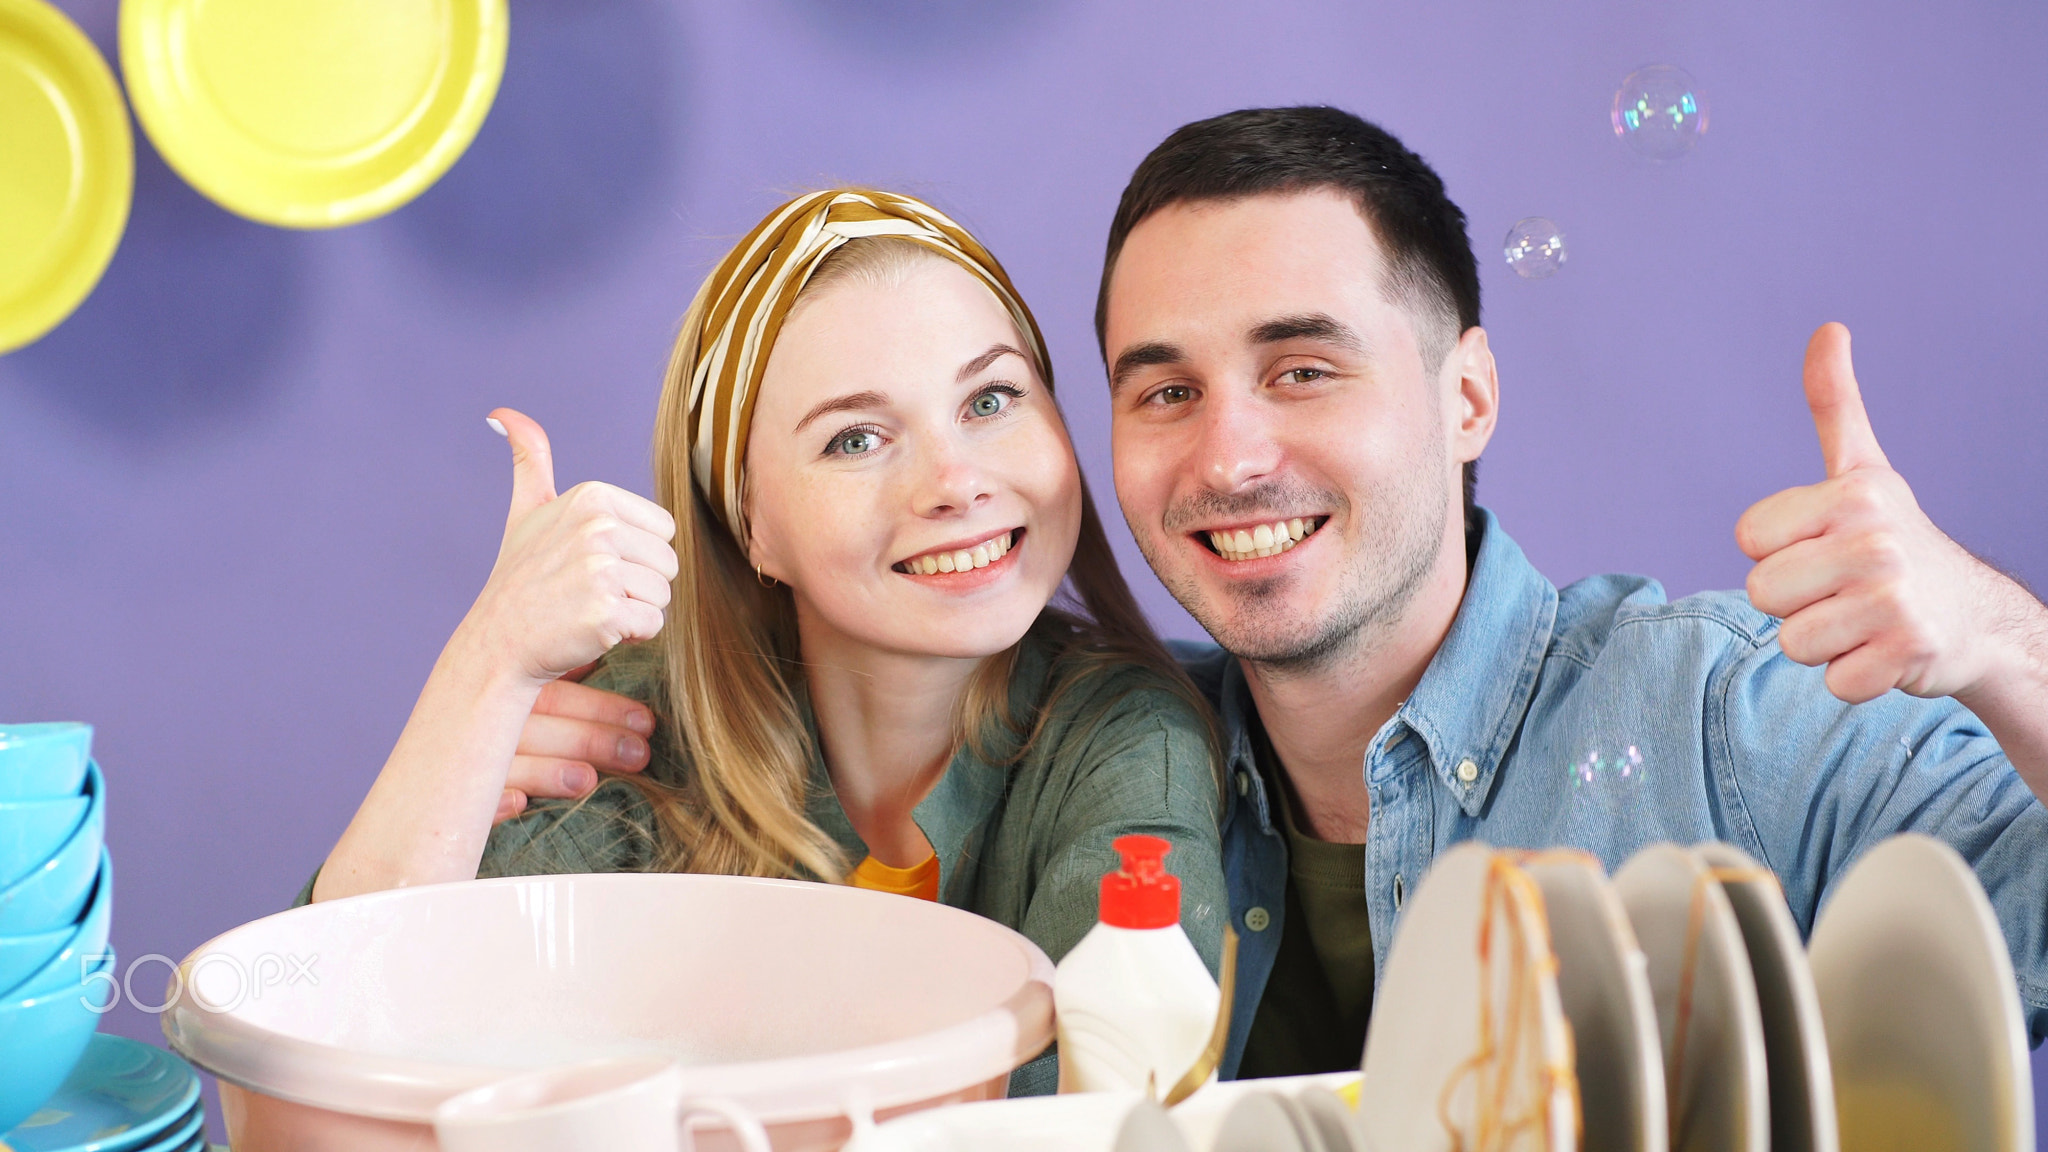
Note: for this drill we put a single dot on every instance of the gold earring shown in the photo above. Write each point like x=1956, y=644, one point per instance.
x=766, y=581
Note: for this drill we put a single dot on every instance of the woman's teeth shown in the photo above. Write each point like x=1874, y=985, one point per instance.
x=979, y=556
x=1265, y=540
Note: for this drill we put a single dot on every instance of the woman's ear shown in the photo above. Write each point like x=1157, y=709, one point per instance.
x=761, y=557
x=1470, y=373
x=750, y=540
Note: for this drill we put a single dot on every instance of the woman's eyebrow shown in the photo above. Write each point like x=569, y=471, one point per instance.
x=995, y=352
x=851, y=402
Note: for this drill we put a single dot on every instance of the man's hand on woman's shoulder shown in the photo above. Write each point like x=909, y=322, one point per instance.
x=573, y=732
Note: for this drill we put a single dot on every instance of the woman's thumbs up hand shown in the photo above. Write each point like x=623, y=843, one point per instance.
x=577, y=574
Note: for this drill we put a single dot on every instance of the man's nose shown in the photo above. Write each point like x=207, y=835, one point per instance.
x=1236, y=445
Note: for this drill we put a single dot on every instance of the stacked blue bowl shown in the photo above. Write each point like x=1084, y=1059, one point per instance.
x=123, y=1096
x=56, y=906
x=64, y=1087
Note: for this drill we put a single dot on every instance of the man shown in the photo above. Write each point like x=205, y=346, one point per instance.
x=1300, y=388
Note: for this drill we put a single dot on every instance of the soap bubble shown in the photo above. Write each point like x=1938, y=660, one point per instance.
x=1659, y=112
x=1534, y=248
x=1607, y=782
x=1596, y=768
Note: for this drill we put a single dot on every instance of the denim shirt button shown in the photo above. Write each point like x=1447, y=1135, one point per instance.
x=1244, y=782
x=1468, y=771
x=1257, y=919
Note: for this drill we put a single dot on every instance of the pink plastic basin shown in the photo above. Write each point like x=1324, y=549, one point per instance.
x=344, y=1024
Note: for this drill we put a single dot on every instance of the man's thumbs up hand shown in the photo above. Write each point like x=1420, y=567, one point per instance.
x=1866, y=584
x=577, y=574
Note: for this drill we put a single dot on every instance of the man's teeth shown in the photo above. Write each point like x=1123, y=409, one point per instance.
x=979, y=556
x=1265, y=540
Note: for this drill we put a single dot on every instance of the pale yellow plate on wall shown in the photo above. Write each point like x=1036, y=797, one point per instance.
x=312, y=113
x=67, y=169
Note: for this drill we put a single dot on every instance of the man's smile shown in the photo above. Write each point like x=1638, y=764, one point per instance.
x=1257, y=541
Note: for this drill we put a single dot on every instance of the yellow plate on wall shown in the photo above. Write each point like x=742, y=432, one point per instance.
x=67, y=169
x=312, y=113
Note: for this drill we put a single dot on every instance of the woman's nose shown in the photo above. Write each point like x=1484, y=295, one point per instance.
x=950, y=481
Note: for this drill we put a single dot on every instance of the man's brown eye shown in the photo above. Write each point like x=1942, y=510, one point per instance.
x=1304, y=375
x=1175, y=394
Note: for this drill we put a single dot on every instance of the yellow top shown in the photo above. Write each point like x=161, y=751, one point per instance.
x=919, y=880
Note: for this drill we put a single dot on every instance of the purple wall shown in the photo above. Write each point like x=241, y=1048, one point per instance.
x=248, y=489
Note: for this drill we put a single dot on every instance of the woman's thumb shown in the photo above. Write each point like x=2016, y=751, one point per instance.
x=533, y=465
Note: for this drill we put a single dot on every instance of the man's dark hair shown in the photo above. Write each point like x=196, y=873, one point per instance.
x=1430, y=268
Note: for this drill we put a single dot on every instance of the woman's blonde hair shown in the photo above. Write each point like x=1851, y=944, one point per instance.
x=731, y=664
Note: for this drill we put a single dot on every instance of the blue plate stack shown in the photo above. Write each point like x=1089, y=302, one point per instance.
x=123, y=1096
x=56, y=906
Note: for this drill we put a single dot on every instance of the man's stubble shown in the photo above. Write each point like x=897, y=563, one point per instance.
x=1398, y=531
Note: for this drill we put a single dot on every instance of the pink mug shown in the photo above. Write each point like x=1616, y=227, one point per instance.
x=629, y=1105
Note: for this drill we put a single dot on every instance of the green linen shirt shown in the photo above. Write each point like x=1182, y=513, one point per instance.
x=1023, y=840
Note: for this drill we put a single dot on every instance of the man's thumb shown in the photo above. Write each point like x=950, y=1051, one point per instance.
x=533, y=465
x=1846, y=439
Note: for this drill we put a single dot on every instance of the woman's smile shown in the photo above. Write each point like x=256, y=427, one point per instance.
x=963, y=558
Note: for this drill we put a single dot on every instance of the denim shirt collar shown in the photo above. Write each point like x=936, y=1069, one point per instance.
x=1478, y=686
x=1471, y=699
x=1236, y=714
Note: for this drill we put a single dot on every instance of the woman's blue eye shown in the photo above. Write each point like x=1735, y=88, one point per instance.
x=988, y=403
x=856, y=443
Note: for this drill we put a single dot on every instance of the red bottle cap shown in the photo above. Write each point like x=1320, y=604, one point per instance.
x=1142, y=893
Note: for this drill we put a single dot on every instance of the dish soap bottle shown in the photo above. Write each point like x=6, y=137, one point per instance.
x=1133, y=1003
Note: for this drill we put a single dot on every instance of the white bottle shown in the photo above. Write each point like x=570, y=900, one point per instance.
x=1133, y=1002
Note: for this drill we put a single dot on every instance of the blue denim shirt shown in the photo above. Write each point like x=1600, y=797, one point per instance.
x=1606, y=717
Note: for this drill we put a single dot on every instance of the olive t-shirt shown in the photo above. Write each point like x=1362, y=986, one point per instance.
x=1318, y=999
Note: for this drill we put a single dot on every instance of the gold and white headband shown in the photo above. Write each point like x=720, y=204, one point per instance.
x=752, y=292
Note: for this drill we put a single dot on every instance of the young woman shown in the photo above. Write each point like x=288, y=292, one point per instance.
x=863, y=676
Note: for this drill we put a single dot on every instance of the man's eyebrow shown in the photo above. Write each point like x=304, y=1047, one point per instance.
x=995, y=352
x=851, y=402
x=1150, y=354
x=1320, y=326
